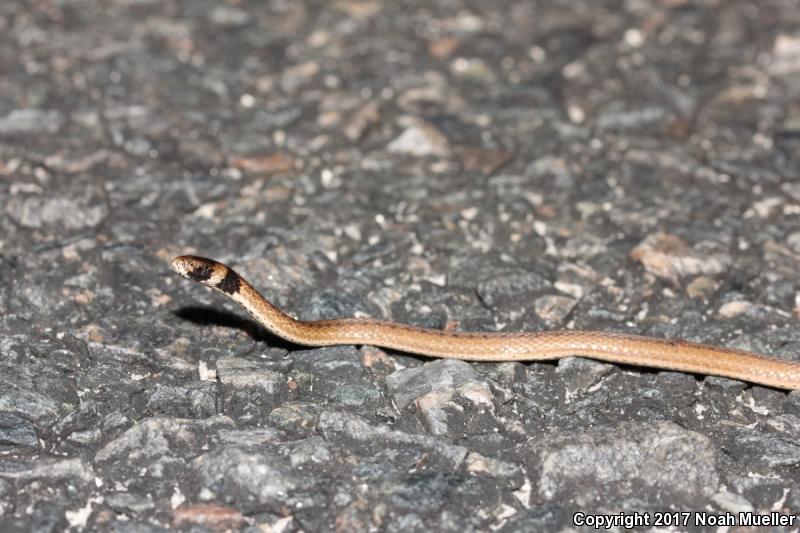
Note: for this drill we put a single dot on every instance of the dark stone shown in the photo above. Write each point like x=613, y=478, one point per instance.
x=193, y=400
x=16, y=431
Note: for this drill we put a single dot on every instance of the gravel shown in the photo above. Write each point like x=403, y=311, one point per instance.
x=505, y=166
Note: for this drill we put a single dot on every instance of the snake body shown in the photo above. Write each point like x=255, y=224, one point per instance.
x=473, y=346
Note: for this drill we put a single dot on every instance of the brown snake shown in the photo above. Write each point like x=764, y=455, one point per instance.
x=532, y=346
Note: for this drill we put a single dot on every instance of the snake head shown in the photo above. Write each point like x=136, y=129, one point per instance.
x=199, y=269
x=208, y=272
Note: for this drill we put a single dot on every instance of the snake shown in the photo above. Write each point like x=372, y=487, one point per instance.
x=612, y=347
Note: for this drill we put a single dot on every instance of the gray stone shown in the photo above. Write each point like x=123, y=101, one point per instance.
x=229, y=16
x=335, y=426
x=250, y=388
x=250, y=478
x=312, y=450
x=547, y=517
x=420, y=140
x=433, y=388
x=29, y=403
x=769, y=448
x=129, y=503
x=628, y=459
x=733, y=503
x=6, y=497
x=80, y=210
x=671, y=258
x=156, y=437
x=554, y=308
x=239, y=373
x=23, y=121
x=296, y=418
x=197, y=400
x=579, y=374
x=17, y=431
x=47, y=469
x=250, y=436
x=335, y=374
x=339, y=361
x=729, y=386
x=628, y=119
x=510, y=285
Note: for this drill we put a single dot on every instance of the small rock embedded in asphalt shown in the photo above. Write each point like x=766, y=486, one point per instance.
x=766, y=447
x=633, y=457
x=578, y=373
x=15, y=430
x=194, y=399
x=155, y=438
x=249, y=478
x=670, y=257
x=433, y=388
x=25, y=121
x=420, y=140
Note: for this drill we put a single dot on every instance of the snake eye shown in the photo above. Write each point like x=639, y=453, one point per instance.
x=193, y=267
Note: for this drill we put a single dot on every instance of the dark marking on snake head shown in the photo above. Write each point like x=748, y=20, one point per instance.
x=230, y=283
x=201, y=272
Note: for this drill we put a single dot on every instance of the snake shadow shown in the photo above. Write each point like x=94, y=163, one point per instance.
x=204, y=316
